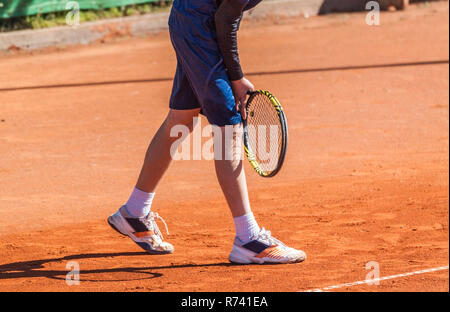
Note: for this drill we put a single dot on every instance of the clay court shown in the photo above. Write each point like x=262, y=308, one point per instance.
x=365, y=178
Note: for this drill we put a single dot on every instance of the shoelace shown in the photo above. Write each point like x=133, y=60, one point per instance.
x=267, y=236
x=151, y=222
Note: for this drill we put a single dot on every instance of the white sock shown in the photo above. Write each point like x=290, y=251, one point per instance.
x=139, y=204
x=246, y=227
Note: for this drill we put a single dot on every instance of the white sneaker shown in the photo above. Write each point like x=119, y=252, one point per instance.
x=264, y=249
x=143, y=231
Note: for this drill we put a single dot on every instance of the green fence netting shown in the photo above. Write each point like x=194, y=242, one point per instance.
x=16, y=8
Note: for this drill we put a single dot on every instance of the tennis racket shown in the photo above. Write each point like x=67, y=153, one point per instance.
x=265, y=133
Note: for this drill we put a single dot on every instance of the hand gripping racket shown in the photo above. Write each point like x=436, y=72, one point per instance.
x=265, y=133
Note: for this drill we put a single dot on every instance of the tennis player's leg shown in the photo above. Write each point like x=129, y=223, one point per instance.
x=230, y=172
x=251, y=244
x=135, y=219
x=158, y=158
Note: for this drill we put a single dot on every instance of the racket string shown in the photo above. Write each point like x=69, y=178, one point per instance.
x=265, y=134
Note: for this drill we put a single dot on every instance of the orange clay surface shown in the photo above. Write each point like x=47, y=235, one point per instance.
x=366, y=176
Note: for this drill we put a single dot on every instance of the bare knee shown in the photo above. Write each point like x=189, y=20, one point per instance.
x=228, y=147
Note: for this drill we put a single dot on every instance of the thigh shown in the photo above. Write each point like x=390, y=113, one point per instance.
x=183, y=96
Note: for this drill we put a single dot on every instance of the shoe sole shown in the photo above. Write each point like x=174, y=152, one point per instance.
x=239, y=255
x=115, y=228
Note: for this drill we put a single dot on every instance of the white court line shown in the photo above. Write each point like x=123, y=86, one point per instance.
x=375, y=280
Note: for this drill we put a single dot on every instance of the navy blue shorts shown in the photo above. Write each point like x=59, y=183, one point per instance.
x=201, y=79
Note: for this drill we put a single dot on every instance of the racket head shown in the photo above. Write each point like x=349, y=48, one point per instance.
x=266, y=121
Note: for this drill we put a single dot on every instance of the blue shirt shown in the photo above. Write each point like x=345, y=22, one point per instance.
x=195, y=18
